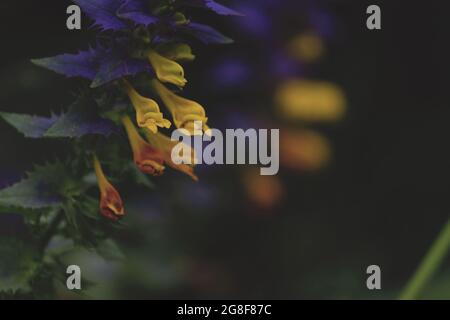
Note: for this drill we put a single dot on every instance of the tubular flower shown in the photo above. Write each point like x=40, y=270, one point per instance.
x=177, y=52
x=147, y=158
x=167, y=70
x=165, y=145
x=111, y=205
x=184, y=112
x=148, y=114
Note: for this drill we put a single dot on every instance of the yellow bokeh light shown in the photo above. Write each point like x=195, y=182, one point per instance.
x=307, y=47
x=309, y=100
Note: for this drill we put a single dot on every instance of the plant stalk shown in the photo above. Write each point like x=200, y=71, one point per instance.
x=429, y=265
x=50, y=232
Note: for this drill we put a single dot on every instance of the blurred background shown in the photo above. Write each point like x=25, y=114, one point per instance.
x=364, y=177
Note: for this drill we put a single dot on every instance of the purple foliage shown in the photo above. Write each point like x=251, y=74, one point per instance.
x=136, y=11
x=82, y=64
x=116, y=66
x=211, y=5
x=205, y=33
x=103, y=13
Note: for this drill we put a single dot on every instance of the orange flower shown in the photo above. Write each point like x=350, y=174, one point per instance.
x=266, y=192
x=147, y=158
x=165, y=145
x=304, y=150
x=111, y=205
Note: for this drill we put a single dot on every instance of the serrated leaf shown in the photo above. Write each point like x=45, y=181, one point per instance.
x=205, y=33
x=17, y=265
x=136, y=11
x=211, y=5
x=38, y=190
x=116, y=66
x=82, y=64
x=80, y=120
x=103, y=13
x=97, y=64
x=27, y=194
x=30, y=126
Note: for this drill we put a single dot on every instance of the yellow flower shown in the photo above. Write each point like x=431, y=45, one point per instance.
x=165, y=145
x=167, y=70
x=147, y=158
x=111, y=205
x=310, y=100
x=148, y=114
x=176, y=51
x=184, y=112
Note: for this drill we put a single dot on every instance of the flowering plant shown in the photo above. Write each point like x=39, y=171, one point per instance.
x=135, y=64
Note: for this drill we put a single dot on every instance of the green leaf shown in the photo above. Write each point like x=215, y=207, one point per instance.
x=17, y=265
x=30, y=126
x=138, y=176
x=81, y=119
x=40, y=189
x=89, y=207
x=28, y=193
x=109, y=250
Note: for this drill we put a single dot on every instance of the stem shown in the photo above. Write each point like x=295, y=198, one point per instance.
x=429, y=265
x=50, y=232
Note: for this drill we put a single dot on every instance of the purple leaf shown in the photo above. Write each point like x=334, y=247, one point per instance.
x=83, y=64
x=81, y=119
x=100, y=65
x=114, y=67
x=211, y=5
x=103, y=13
x=136, y=11
x=205, y=33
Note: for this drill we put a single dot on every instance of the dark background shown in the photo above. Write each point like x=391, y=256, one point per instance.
x=381, y=201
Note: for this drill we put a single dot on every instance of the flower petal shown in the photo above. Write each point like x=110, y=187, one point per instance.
x=167, y=70
x=147, y=158
x=111, y=205
x=184, y=112
x=147, y=110
x=165, y=145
